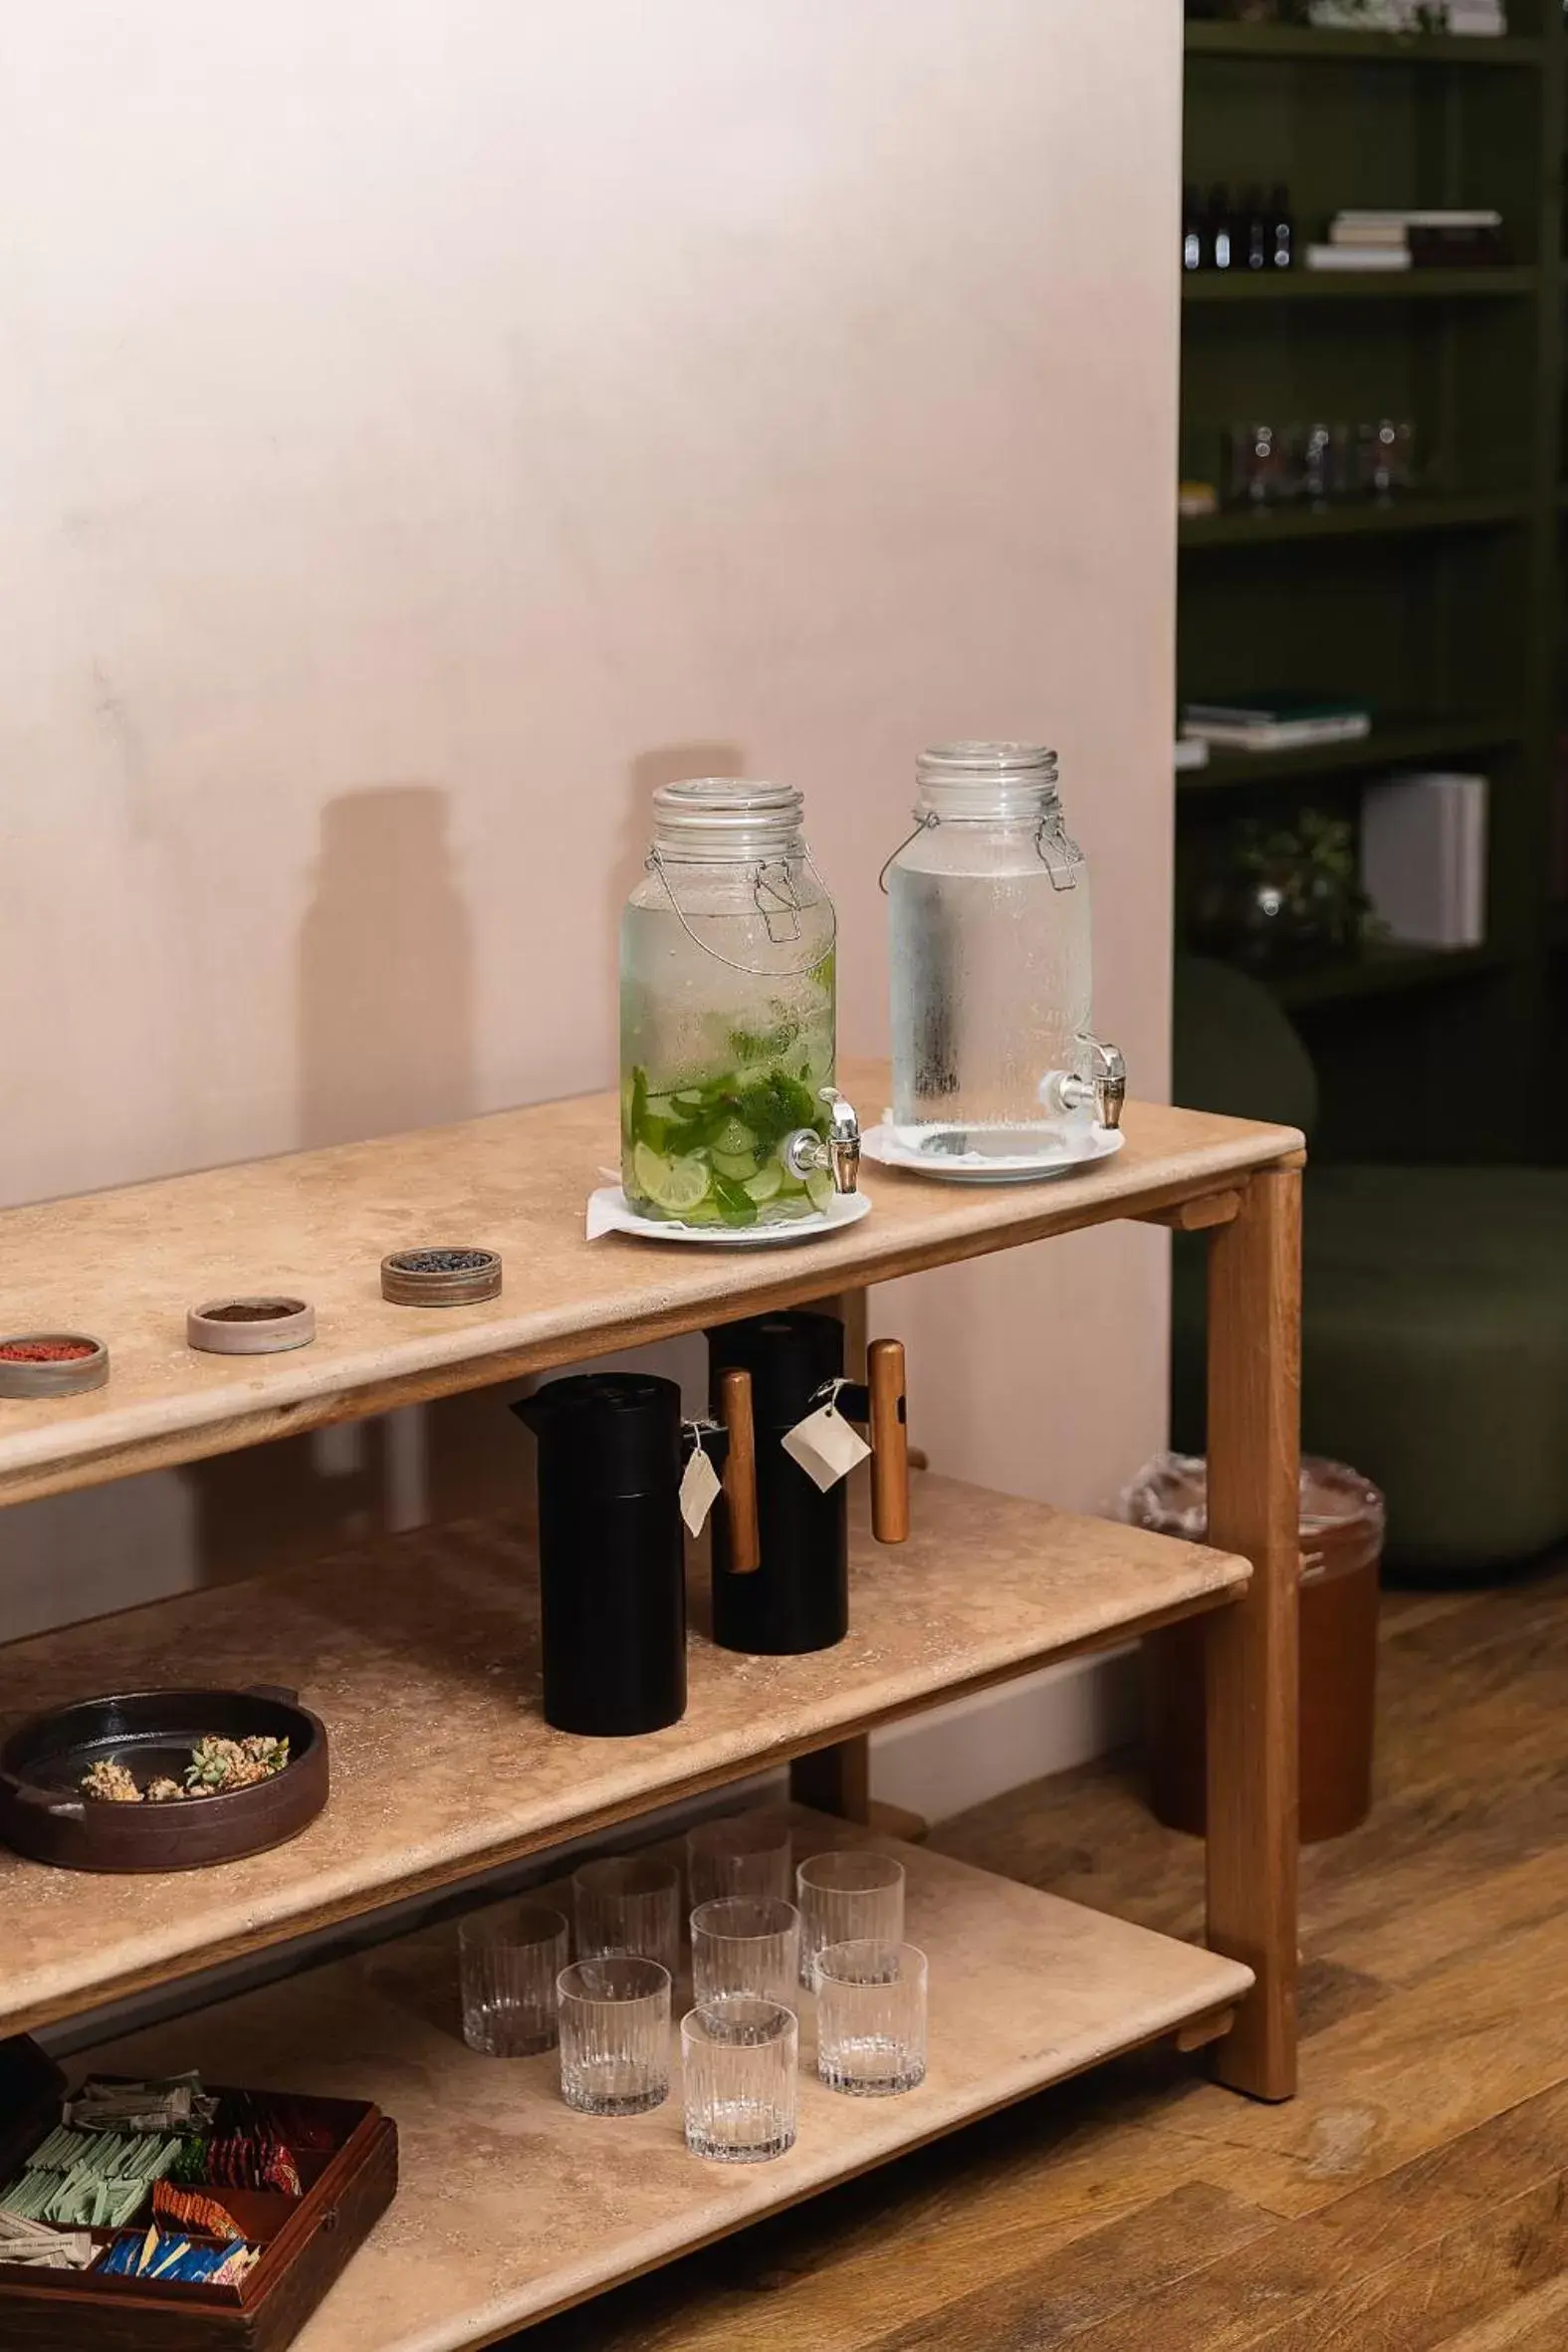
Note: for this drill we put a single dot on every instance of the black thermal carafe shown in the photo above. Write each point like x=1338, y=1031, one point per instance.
x=796, y=1597
x=611, y=1551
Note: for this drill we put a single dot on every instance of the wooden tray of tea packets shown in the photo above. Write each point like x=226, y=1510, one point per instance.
x=343, y=2156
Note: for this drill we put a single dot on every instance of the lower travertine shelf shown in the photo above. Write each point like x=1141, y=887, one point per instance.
x=511, y=2208
x=421, y=1654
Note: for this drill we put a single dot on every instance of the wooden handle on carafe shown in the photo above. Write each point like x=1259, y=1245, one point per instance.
x=740, y=1473
x=889, y=1440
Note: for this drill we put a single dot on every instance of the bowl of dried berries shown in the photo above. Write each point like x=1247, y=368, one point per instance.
x=162, y=1779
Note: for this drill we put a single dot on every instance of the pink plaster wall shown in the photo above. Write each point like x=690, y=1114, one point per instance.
x=424, y=428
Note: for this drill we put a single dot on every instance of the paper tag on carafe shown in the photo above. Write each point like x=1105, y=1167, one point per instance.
x=826, y=1446
x=700, y=1490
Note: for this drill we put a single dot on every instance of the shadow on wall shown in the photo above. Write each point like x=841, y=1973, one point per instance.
x=384, y=1009
x=384, y=1020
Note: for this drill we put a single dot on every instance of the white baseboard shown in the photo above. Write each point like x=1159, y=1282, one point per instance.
x=961, y=1756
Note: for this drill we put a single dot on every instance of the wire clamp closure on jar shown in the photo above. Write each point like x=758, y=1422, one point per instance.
x=776, y=899
x=1050, y=836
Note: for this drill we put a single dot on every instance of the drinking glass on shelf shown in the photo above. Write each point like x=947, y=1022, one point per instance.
x=847, y=1895
x=744, y=1854
x=871, y=2017
x=740, y=2059
x=1325, y=463
x=507, y=1963
x=1386, y=457
x=745, y=1946
x=629, y=1903
x=1257, y=470
x=615, y=2034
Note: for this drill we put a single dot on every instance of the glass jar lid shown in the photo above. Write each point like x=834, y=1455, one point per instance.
x=986, y=780
x=728, y=818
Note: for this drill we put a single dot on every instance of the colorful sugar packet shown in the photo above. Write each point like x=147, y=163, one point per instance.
x=36, y=2246
x=174, y=2103
x=88, y=2180
x=157, y=2253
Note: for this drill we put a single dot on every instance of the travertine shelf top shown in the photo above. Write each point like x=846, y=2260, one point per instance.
x=126, y=1266
x=510, y=2207
x=421, y=1656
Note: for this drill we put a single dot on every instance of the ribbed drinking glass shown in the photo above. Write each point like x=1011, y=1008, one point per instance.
x=741, y=1947
x=744, y=1854
x=629, y=1904
x=509, y=1961
x=740, y=2058
x=845, y=1896
x=615, y=2034
x=871, y=2017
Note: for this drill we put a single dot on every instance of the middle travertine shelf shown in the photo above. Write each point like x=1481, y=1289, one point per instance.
x=421, y=1656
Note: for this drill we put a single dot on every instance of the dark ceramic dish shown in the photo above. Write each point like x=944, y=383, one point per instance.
x=44, y=1814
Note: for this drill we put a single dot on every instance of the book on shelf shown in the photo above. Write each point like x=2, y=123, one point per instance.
x=1481, y=17
x=1191, y=751
x=1276, y=722
x=1423, y=858
x=1354, y=258
x=1433, y=239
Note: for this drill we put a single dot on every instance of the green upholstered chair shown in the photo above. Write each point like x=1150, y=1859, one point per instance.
x=1434, y=1307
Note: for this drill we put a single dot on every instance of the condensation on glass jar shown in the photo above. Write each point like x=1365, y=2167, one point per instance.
x=992, y=976
x=726, y=1010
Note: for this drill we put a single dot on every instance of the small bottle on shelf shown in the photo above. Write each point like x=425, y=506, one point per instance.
x=1192, y=228
x=1255, y=230
x=1282, y=229
x=1219, y=229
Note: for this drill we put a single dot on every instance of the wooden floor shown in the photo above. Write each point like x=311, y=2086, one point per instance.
x=1414, y=2199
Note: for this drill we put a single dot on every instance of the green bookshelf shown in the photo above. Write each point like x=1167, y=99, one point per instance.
x=1393, y=744
x=1512, y=282
x=1305, y=45
x=1383, y=970
x=1441, y=611
x=1271, y=525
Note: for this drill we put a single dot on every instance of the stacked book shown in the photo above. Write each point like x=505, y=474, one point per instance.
x=1276, y=722
x=1423, y=858
x=1392, y=240
x=1411, y=16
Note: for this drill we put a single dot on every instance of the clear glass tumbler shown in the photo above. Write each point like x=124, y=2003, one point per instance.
x=508, y=1962
x=744, y=1854
x=738, y=1946
x=615, y=2034
x=871, y=2017
x=845, y=1896
x=740, y=2058
x=629, y=1904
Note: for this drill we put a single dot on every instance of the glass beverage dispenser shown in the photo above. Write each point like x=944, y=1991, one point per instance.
x=992, y=1051
x=728, y=1114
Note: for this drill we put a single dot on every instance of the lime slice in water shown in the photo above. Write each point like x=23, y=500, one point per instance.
x=676, y=1186
x=820, y=1189
x=767, y=1181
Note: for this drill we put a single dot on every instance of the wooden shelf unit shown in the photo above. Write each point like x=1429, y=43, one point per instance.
x=422, y=1664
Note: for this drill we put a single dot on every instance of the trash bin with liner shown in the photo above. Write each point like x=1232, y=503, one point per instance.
x=1342, y=1520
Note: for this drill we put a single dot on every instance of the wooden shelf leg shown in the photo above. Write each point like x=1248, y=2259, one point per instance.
x=838, y=1780
x=1254, y=1347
